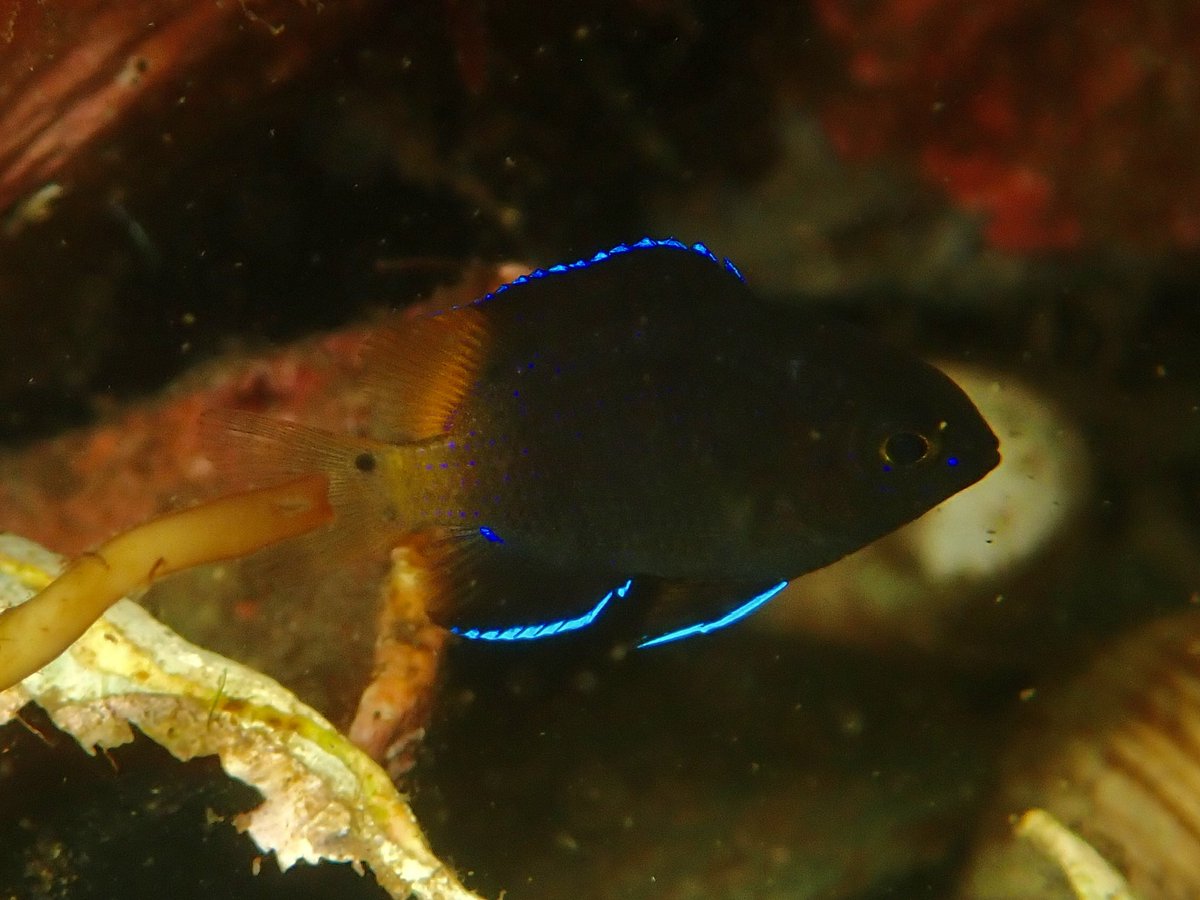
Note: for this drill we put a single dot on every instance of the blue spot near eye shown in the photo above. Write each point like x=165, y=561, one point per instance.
x=490, y=535
x=452, y=445
x=728, y=619
x=516, y=393
x=952, y=461
x=529, y=632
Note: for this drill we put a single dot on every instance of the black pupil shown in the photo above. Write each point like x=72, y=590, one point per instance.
x=365, y=462
x=905, y=448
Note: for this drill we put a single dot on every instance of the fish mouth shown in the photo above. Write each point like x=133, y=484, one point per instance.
x=984, y=452
x=996, y=457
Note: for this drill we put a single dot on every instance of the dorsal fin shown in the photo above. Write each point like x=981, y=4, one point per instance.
x=646, y=243
x=417, y=371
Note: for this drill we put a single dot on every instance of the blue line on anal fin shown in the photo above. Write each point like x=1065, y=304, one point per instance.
x=684, y=610
x=545, y=629
x=708, y=625
x=484, y=586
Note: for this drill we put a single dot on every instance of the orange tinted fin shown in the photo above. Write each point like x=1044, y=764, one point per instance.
x=455, y=557
x=258, y=449
x=418, y=370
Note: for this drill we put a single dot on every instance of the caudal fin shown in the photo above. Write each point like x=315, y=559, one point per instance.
x=257, y=450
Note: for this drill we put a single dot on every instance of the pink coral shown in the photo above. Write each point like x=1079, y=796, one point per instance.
x=1063, y=124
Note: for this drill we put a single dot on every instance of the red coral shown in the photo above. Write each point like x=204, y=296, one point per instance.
x=1064, y=124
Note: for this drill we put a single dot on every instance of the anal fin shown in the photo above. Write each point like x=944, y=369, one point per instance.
x=488, y=590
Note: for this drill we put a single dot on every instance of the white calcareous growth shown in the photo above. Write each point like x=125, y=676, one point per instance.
x=324, y=799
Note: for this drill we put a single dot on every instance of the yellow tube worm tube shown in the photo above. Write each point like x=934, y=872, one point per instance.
x=37, y=631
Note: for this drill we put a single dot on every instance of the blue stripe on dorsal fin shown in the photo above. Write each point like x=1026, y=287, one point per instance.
x=645, y=243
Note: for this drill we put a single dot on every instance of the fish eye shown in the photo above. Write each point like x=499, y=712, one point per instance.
x=904, y=448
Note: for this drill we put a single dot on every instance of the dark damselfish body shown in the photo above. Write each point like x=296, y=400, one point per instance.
x=638, y=428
